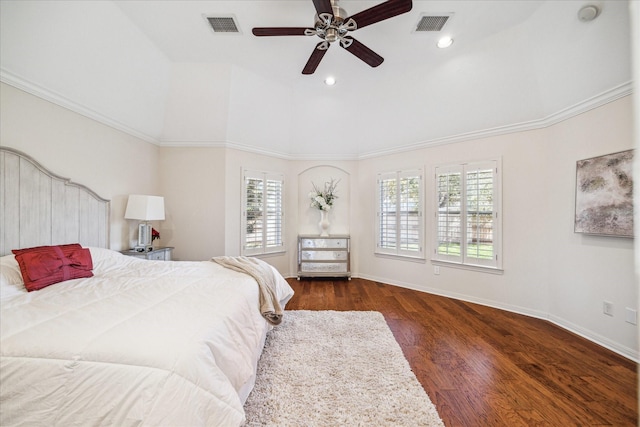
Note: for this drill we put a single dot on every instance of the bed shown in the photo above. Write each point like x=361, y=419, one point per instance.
x=137, y=342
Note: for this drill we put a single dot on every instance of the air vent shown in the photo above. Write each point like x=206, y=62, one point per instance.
x=224, y=24
x=432, y=23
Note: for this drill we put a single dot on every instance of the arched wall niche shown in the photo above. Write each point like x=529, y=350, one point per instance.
x=309, y=217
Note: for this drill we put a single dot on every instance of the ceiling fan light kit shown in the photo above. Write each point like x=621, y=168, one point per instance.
x=332, y=24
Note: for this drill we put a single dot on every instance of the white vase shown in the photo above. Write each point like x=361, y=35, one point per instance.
x=324, y=223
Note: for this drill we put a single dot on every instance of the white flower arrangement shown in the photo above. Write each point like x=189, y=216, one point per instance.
x=323, y=199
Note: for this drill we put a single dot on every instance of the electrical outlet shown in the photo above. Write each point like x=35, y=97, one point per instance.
x=436, y=270
x=630, y=316
x=607, y=308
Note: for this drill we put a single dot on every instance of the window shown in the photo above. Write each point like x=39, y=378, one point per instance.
x=263, y=213
x=400, y=223
x=467, y=220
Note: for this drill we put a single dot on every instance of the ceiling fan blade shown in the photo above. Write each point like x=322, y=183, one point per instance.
x=315, y=58
x=280, y=31
x=363, y=52
x=380, y=12
x=323, y=6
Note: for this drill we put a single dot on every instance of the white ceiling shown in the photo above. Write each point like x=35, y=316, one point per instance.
x=155, y=69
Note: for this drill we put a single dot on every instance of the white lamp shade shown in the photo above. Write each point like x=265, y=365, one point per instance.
x=145, y=208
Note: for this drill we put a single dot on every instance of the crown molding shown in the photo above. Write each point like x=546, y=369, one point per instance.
x=192, y=143
x=254, y=150
x=225, y=144
x=12, y=79
x=596, y=101
x=592, y=103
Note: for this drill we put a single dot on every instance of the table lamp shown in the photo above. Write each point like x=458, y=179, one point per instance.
x=144, y=208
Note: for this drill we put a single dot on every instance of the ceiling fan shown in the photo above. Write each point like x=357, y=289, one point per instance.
x=332, y=24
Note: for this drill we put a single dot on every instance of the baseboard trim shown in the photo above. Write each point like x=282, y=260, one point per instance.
x=595, y=338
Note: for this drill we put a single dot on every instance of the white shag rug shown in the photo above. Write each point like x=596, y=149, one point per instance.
x=333, y=368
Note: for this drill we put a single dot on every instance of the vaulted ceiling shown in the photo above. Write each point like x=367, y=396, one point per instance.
x=156, y=69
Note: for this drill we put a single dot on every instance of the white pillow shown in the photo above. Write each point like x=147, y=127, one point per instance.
x=102, y=254
x=11, y=282
x=104, y=260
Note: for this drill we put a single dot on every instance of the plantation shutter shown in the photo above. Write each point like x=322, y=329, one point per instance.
x=410, y=212
x=400, y=227
x=263, y=213
x=467, y=226
x=254, y=215
x=479, y=213
x=448, y=213
x=274, y=213
x=387, y=200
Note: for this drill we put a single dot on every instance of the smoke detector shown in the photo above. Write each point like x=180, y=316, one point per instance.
x=588, y=13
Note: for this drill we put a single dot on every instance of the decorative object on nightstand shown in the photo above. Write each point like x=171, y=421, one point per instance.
x=158, y=254
x=324, y=256
x=145, y=208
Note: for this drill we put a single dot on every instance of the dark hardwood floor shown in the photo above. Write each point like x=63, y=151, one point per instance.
x=487, y=367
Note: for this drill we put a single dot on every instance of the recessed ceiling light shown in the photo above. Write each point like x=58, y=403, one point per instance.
x=330, y=81
x=445, y=42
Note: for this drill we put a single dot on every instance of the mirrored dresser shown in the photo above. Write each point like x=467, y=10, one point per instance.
x=327, y=256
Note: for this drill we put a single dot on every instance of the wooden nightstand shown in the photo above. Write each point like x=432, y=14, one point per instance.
x=158, y=254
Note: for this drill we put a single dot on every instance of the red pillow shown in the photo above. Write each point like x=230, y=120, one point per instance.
x=45, y=265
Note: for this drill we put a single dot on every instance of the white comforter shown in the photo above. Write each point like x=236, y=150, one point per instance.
x=142, y=343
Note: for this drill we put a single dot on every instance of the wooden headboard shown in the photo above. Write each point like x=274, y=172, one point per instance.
x=39, y=208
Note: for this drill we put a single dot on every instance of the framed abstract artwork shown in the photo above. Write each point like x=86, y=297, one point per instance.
x=604, y=195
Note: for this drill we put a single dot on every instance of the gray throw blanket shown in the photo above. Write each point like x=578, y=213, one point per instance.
x=263, y=274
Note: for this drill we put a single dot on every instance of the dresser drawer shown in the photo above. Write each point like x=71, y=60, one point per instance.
x=324, y=243
x=323, y=255
x=157, y=256
x=324, y=267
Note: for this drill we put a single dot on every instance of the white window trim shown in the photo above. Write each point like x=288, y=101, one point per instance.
x=398, y=252
x=264, y=249
x=470, y=267
x=495, y=266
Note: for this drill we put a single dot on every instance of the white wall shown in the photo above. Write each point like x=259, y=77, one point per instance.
x=338, y=216
x=342, y=217
x=635, y=52
x=589, y=269
x=193, y=184
x=236, y=161
x=110, y=162
x=202, y=187
x=549, y=271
